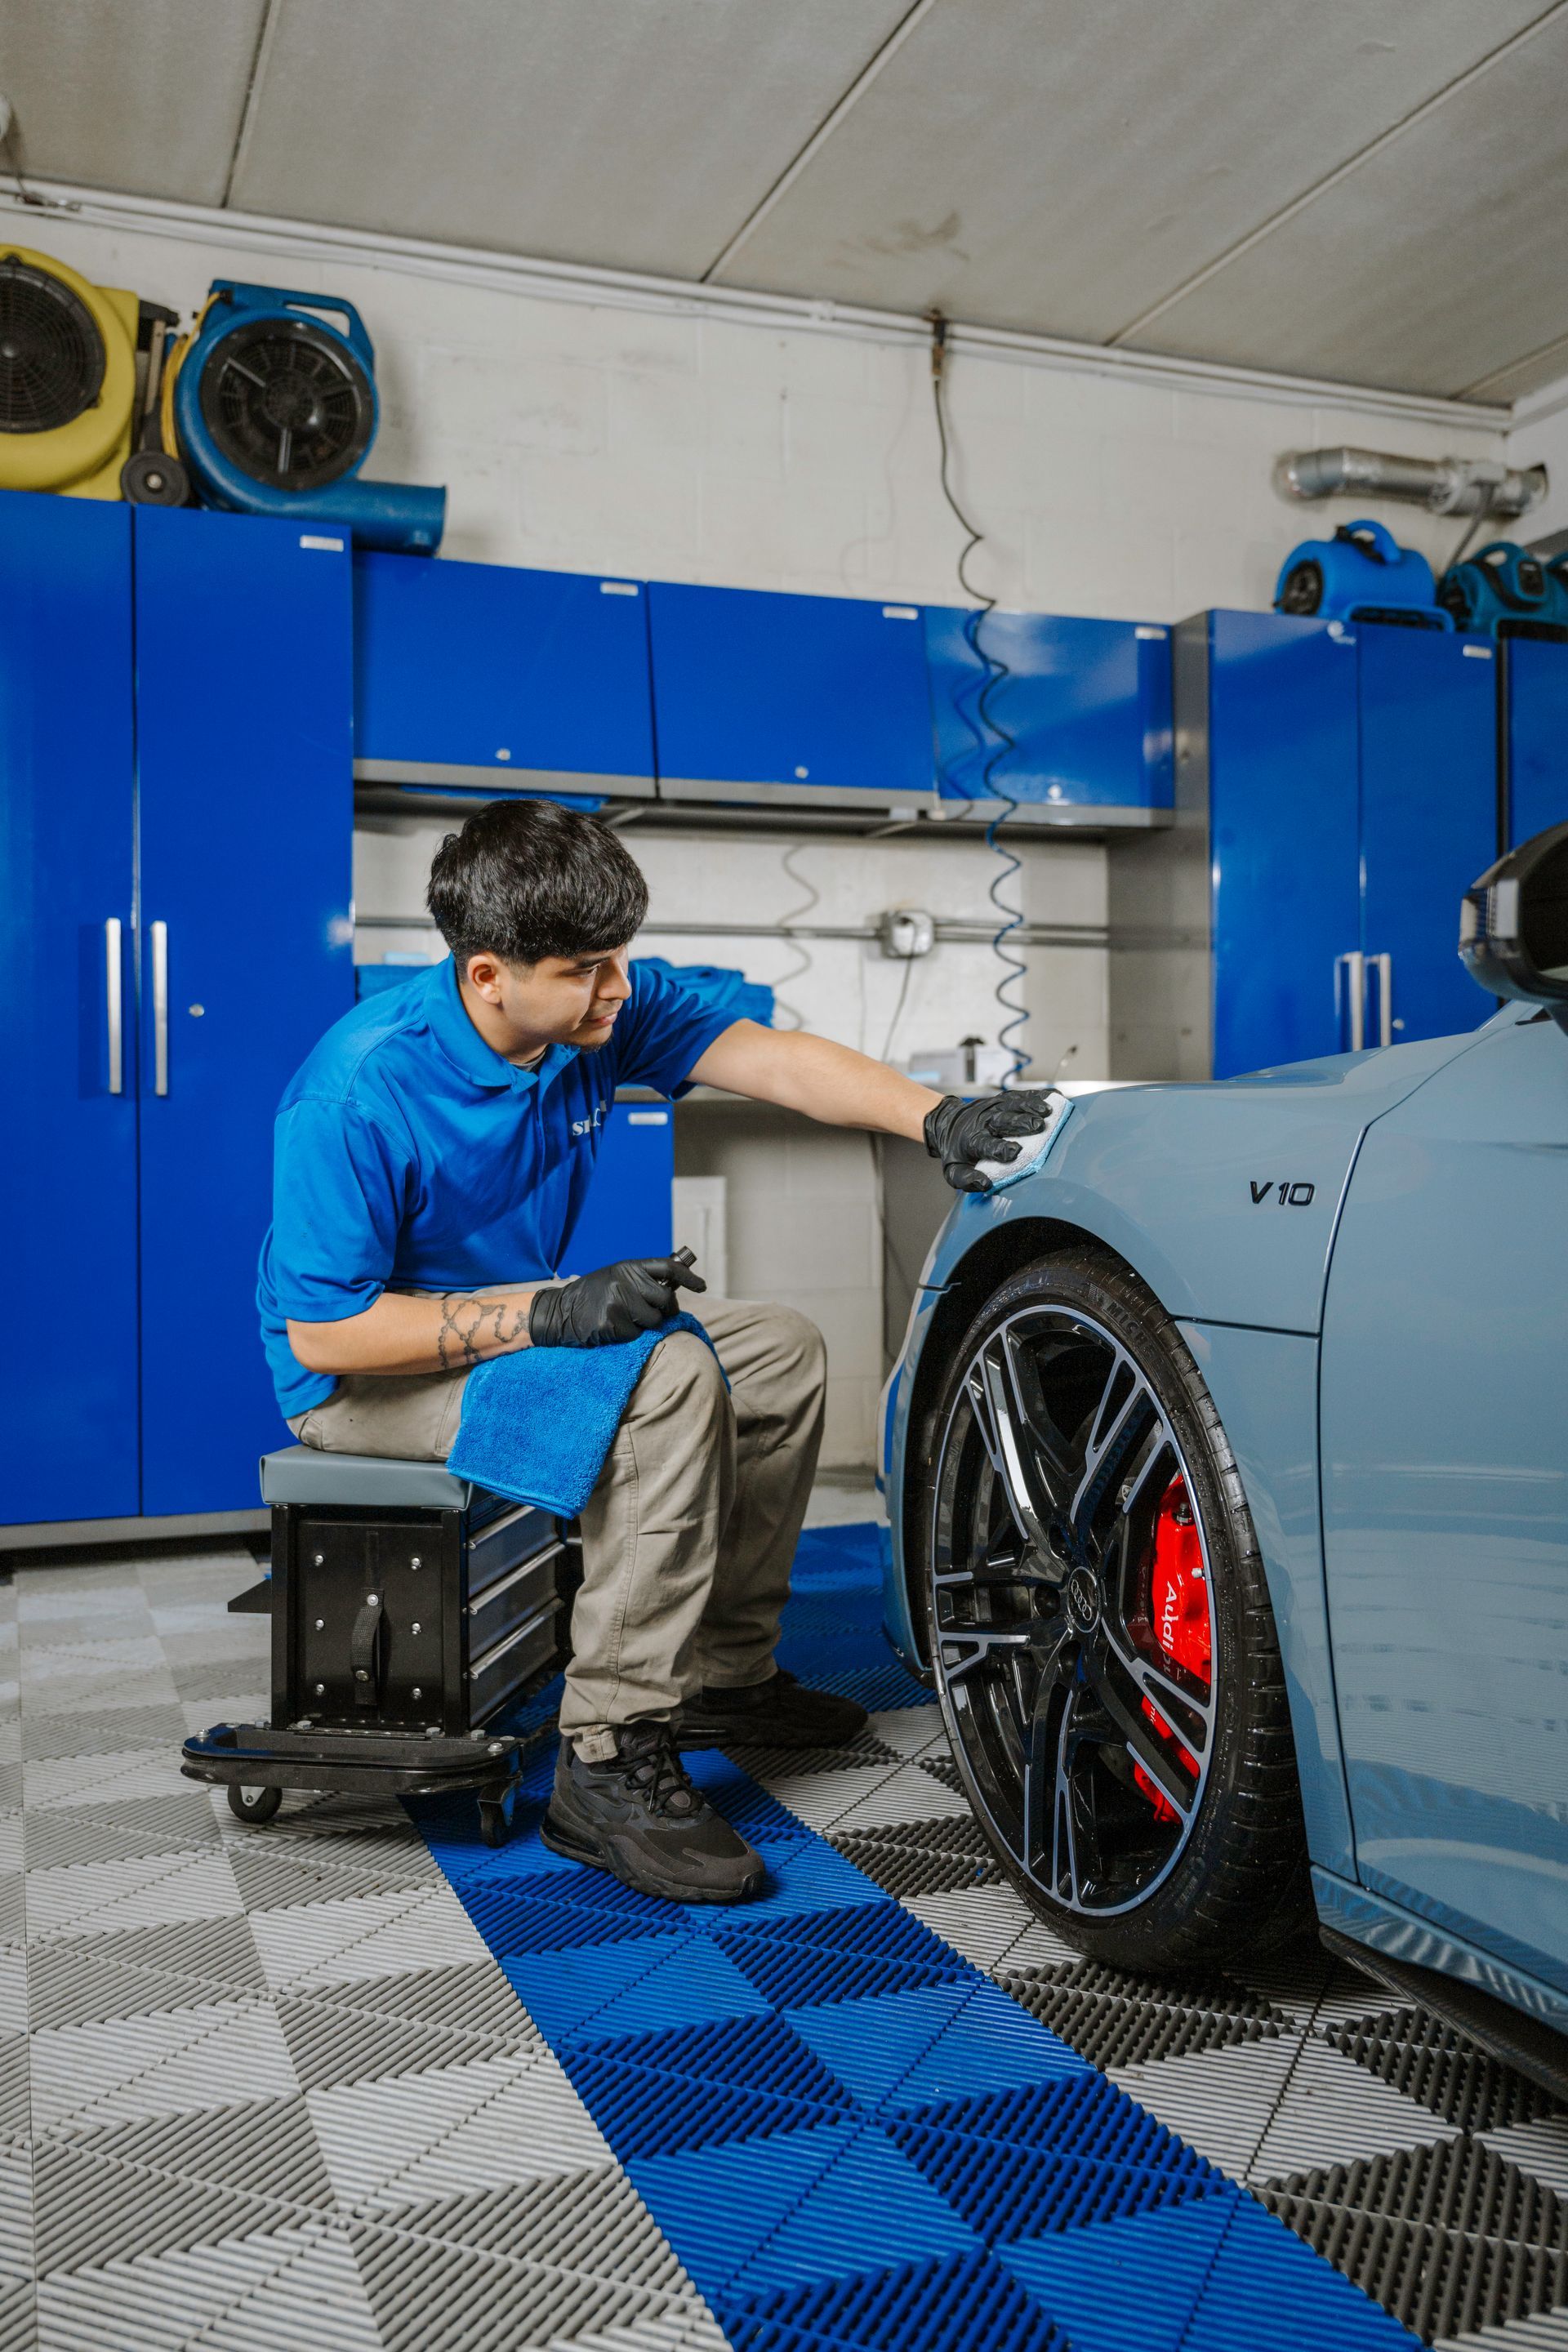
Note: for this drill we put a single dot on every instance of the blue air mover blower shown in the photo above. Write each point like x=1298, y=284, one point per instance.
x=1503, y=590
x=1361, y=575
x=275, y=412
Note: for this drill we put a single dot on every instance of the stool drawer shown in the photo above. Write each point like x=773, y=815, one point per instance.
x=495, y=1549
x=497, y=1672
x=504, y=1602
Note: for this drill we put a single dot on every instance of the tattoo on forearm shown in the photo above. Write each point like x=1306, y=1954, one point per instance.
x=472, y=1328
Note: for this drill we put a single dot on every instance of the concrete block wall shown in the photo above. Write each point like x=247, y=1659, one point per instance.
x=804, y=1229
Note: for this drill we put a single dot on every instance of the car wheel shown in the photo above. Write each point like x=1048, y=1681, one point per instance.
x=1101, y=1629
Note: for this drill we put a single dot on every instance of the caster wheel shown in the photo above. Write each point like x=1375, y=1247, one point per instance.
x=495, y=1819
x=256, y=1806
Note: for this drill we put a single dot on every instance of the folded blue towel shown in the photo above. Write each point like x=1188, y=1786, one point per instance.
x=536, y=1426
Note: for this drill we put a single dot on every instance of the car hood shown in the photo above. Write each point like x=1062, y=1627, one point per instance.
x=1223, y=1196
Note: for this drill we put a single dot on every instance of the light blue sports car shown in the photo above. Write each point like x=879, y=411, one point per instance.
x=1227, y=1462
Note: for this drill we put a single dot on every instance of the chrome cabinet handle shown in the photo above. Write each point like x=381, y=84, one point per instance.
x=1384, y=998
x=160, y=1008
x=113, y=970
x=1354, y=965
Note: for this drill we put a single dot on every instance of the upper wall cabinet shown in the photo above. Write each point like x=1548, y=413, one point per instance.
x=1077, y=722
x=803, y=699
x=481, y=674
x=1536, y=685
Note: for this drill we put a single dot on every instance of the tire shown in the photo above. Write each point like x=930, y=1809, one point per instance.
x=1103, y=1643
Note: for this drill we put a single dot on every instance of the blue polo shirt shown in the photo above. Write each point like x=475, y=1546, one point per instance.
x=408, y=1155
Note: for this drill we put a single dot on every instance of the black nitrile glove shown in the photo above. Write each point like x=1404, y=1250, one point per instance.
x=960, y=1133
x=614, y=1303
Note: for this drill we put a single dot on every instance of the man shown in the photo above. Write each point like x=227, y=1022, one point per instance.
x=432, y=1156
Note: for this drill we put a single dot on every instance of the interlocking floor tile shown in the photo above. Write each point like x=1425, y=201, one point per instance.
x=382, y=1934
x=142, y=1891
x=471, y=2302
x=1220, y=2102
x=330, y=2042
x=165, y=2063
x=108, y=1731
x=101, y=1780
x=61, y=1837
x=591, y=2221
x=463, y=2128
x=1332, y=2111
x=295, y=2285
x=266, y=2146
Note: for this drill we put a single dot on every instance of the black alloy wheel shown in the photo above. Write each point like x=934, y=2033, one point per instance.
x=1100, y=1629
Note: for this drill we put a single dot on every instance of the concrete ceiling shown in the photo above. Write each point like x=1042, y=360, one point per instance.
x=1368, y=193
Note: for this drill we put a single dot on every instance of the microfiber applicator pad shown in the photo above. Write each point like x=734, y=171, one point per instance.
x=1032, y=1148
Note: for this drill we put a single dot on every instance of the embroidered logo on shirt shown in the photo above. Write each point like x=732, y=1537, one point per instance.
x=587, y=1126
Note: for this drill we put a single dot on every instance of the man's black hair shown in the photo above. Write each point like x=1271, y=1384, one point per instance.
x=526, y=879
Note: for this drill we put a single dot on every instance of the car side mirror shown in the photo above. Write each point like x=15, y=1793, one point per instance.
x=1513, y=925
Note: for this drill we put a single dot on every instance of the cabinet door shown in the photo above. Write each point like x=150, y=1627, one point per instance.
x=1446, y=1539
x=536, y=679
x=1536, y=677
x=244, y=756
x=810, y=698
x=1283, y=759
x=68, y=1172
x=627, y=1210
x=1428, y=823
x=1080, y=718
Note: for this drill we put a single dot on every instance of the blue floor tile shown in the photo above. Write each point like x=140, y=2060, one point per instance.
x=967, y=2300
x=566, y=1990
x=1261, y=2265
x=718, y=2205
x=869, y=2208
x=1132, y=2286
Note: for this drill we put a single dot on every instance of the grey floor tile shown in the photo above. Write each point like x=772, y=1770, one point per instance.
x=106, y=1730
x=161, y=2063
x=294, y=2286
x=142, y=1891
x=60, y=1837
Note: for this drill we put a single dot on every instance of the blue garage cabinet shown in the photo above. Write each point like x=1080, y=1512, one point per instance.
x=68, y=1045
x=1335, y=794
x=477, y=673
x=244, y=648
x=1536, y=690
x=175, y=726
x=1077, y=724
x=815, y=700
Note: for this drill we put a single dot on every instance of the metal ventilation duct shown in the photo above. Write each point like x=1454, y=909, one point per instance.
x=1450, y=486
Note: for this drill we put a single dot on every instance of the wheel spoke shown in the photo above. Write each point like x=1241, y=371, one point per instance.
x=989, y=1393
x=1050, y=1450
x=1046, y=1721
x=1189, y=1713
x=978, y=1648
x=1139, y=1736
x=1115, y=1427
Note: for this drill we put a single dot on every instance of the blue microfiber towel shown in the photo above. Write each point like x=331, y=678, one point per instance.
x=536, y=1426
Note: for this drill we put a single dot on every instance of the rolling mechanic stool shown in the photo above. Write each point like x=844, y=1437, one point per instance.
x=409, y=1609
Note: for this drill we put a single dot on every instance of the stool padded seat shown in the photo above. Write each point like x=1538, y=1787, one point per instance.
x=303, y=1474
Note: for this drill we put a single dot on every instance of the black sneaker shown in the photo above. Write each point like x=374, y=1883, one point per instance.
x=779, y=1713
x=638, y=1817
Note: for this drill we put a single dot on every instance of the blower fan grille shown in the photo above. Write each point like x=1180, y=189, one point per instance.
x=287, y=403
x=52, y=356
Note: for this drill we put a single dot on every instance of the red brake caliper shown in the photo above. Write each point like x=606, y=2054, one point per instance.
x=1179, y=1617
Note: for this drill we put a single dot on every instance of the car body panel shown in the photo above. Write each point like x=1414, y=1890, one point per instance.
x=1445, y=1471
x=1373, y=1918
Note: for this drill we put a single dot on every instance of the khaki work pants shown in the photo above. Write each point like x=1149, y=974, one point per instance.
x=689, y=1535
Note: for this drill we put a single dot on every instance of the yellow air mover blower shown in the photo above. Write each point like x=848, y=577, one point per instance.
x=68, y=378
